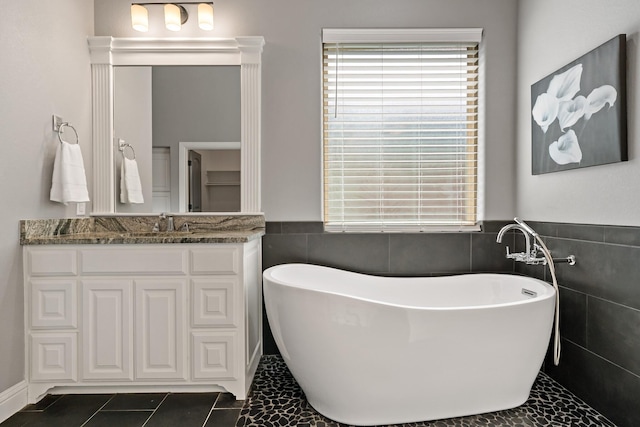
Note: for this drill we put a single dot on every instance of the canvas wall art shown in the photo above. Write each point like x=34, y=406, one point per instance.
x=579, y=113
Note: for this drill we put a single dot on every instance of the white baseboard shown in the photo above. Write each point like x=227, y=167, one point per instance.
x=12, y=400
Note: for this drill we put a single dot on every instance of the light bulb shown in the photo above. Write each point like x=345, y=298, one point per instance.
x=205, y=16
x=139, y=18
x=172, y=18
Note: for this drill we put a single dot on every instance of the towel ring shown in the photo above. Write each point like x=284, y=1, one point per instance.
x=61, y=131
x=124, y=146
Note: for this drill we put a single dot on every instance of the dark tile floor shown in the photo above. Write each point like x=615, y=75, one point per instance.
x=130, y=410
x=276, y=400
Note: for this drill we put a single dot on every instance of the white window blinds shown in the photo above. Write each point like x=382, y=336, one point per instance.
x=400, y=134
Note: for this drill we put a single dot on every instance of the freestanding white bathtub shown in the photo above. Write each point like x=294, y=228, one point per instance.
x=380, y=350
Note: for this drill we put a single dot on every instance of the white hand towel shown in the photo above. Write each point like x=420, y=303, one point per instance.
x=130, y=186
x=69, y=182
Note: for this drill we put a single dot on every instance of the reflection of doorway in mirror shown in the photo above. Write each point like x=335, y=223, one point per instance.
x=215, y=157
x=221, y=179
x=195, y=182
x=161, y=178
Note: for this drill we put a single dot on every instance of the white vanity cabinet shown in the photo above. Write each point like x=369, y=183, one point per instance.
x=142, y=317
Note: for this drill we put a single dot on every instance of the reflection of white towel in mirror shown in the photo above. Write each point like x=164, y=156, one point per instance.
x=69, y=183
x=130, y=186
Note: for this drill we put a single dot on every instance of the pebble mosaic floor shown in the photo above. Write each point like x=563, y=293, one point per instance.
x=276, y=400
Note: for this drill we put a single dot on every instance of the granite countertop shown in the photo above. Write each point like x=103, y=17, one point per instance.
x=137, y=230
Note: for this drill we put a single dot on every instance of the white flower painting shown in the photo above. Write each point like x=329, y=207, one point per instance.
x=579, y=113
x=566, y=149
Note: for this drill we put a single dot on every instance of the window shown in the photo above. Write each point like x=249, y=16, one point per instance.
x=400, y=129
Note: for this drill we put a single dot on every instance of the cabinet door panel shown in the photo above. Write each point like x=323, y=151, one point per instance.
x=213, y=355
x=53, y=304
x=144, y=260
x=160, y=328
x=253, y=303
x=213, y=301
x=224, y=259
x=46, y=261
x=107, y=329
x=54, y=356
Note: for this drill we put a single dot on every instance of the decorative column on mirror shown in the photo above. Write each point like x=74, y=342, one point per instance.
x=251, y=96
x=102, y=105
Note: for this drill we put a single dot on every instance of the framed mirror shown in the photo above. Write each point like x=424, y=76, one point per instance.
x=156, y=110
x=238, y=176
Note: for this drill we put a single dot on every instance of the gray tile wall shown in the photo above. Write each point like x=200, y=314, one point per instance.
x=600, y=295
x=398, y=254
x=599, y=315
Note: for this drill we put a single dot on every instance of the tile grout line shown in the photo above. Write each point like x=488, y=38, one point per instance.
x=610, y=302
x=586, y=322
x=470, y=252
x=154, y=411
x=389, y=254
x=98, y=410
x=208, y=415
x=211, y=410
x=603, y=358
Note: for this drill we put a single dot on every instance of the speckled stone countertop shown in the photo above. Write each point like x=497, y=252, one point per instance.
x=138, y=230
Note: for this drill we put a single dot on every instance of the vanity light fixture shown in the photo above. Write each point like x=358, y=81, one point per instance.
x=175, y=15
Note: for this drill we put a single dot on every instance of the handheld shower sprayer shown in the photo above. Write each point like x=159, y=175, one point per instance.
x=524, y=225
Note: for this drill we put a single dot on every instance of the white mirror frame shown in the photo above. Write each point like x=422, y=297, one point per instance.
x=107, y=52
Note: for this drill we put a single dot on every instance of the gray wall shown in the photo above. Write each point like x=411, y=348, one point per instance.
x=552, y=33
x=45, y=70
x=291, y=118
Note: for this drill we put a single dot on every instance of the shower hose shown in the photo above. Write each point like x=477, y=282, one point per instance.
x=556, y=327
x=552, y=269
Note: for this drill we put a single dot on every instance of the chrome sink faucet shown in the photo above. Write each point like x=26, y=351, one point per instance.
x=169, y=218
